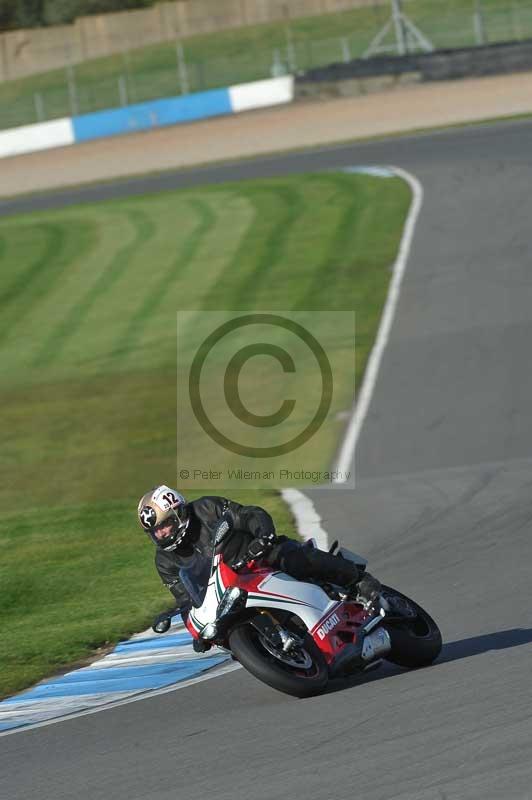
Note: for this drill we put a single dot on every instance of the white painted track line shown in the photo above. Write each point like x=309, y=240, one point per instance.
x=307, y=518
x=347, y=450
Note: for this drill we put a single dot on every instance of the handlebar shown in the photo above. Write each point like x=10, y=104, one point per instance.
x=244, y=562
x=250, y=558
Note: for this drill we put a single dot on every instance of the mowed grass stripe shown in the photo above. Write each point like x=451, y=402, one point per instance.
x=233, y=216
x=342, y=233
x=144, y=230
x=23, y=278
x=252, y=264
x=158, y=287
x=304, y=245
x=280, y=215
x=91, y=425
x=85, y=265
x=45, y=271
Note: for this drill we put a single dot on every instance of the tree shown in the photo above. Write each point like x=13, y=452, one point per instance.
x=29, y=13
x=21, y=14
x=33, y=13
x=61, y=12
x=7, y=13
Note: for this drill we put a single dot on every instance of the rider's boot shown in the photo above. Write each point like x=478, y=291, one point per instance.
x=366, y=589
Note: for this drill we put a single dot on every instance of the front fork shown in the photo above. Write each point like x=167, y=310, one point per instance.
x=266, y=624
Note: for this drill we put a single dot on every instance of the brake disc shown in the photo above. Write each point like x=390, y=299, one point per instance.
x=299, y=659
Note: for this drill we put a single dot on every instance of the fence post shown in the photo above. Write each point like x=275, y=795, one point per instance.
x=39, y=106
x=200, y=74
x=516, y=22
x=277, y=68
x=5, y=63
x=309, y=63
x=290, y=50
x=397, y=16
x=122, y=90
x=72, y=90
x=346, y=52
x=130, y=77
x=182, y=72
x=478, y=24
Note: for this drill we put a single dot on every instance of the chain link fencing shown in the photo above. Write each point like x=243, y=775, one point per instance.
x=176, y=69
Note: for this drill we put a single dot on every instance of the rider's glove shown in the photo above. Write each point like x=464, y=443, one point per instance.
x=162, y=623
x=261, y=546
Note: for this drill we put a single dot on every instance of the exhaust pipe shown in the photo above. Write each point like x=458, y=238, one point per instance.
x=376, y=644
x=359, y=654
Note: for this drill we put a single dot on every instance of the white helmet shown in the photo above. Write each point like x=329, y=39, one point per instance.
x=160, y=508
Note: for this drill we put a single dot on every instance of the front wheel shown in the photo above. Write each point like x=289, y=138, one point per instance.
x=301, y=672
x=417, y=641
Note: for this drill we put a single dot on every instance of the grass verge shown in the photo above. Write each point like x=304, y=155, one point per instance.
x=88, y=346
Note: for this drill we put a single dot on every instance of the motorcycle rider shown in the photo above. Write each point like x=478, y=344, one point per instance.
x=179, y=529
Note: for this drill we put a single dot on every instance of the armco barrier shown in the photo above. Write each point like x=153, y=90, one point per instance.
x=143, y=116
x=151, y=115
x=30, y=138
x=259, y=94
x=493, y=59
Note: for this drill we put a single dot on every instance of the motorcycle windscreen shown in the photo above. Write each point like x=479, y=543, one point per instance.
x=195, y=576
x=350, y=556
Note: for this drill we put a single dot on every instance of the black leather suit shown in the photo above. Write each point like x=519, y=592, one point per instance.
x=248, y=522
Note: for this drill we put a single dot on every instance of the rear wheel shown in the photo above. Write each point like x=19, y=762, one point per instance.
x=302, y=672
x=417, y=641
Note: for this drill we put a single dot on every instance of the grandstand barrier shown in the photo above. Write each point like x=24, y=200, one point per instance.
x=146, y=116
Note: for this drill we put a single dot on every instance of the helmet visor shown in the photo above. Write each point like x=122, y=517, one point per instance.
x=171, y=532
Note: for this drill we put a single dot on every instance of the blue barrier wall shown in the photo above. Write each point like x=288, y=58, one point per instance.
x=143, y=116
x=151, y=115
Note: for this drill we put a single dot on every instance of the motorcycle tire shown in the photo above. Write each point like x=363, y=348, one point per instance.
x=417, y=642
x=247, y=648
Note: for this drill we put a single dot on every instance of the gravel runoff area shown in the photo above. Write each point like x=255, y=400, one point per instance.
x=295, y=126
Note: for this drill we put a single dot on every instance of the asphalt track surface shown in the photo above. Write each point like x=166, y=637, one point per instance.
x=442, y=508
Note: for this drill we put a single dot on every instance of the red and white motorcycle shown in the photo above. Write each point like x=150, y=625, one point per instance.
x=294, y=635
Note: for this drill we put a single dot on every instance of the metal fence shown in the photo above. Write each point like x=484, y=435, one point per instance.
x=79, y=90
